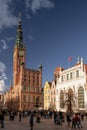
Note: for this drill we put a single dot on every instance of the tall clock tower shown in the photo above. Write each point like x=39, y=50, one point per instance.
x=18, y=55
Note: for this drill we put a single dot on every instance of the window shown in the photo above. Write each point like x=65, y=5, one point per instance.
x=28, y=88
x=29, y=98
x=24, y=98
x=77, y=73
x=33, y=89
x=71, y=75
x=45, y=97
x=62, y=78
x=48, y=91
x=61, y=99
x=24, y=88
x=54, y=99
x=67, y=76
x=81, y=103
x=56, y=91
x=33, y=98
x=58, y=76
x=48, y=97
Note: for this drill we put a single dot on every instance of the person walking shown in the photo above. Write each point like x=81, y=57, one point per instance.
x=19, y=116
x=68, y=119
x=2, y=119
x=31, y=120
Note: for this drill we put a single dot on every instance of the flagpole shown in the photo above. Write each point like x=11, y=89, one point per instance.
x=68, y=63
x=69, y=60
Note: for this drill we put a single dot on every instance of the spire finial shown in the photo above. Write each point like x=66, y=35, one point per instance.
x=78, y=59
x=19, y=39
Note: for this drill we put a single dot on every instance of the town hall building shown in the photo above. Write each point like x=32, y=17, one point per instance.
x=25, y=91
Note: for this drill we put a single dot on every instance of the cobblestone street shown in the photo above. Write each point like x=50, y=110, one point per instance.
x=46, y=124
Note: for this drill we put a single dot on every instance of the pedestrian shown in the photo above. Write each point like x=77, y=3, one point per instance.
x=38, y=117
x=2, y=119
x=68, y=119
x=12, y=115
x=31, y=120
x=19, y=116
x=55, y=117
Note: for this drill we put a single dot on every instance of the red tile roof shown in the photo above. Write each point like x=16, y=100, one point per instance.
x=58, y=69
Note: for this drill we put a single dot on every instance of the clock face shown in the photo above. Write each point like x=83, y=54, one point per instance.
x=21, y=53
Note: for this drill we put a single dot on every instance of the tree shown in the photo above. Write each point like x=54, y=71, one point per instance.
x=70, y=100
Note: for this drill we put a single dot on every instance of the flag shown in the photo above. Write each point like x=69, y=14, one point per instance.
x=70, y=59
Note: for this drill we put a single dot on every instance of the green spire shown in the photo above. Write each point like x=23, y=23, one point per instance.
x=19, y=38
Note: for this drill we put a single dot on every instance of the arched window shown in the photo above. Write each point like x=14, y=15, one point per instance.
x=81, y=103
x=61, y=99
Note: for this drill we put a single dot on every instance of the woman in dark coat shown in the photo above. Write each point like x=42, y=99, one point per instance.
x=68, y=118
x=19, y=116
x=2, y=119
x=31, y=120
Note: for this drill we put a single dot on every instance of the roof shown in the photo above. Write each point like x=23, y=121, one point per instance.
x=85, y=65
x=58, y=69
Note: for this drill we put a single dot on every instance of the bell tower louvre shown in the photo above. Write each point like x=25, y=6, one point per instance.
x=27, y=83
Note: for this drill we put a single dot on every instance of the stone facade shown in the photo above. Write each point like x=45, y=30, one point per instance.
x=73, y=79
x=68, y=86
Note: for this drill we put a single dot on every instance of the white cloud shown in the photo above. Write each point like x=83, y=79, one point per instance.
x=4, y=44
x=28, y=16
x=3, y=87
x=9, y=39
x=38, y=4
x=2, y=67
x=27, y=3
x=7, y=19
x=30, y=37
x=3, y=77
x=2, y=84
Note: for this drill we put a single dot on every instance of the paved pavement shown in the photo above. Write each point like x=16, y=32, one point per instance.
x=46, y=124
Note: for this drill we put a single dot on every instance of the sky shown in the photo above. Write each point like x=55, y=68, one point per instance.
x=53, y=31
